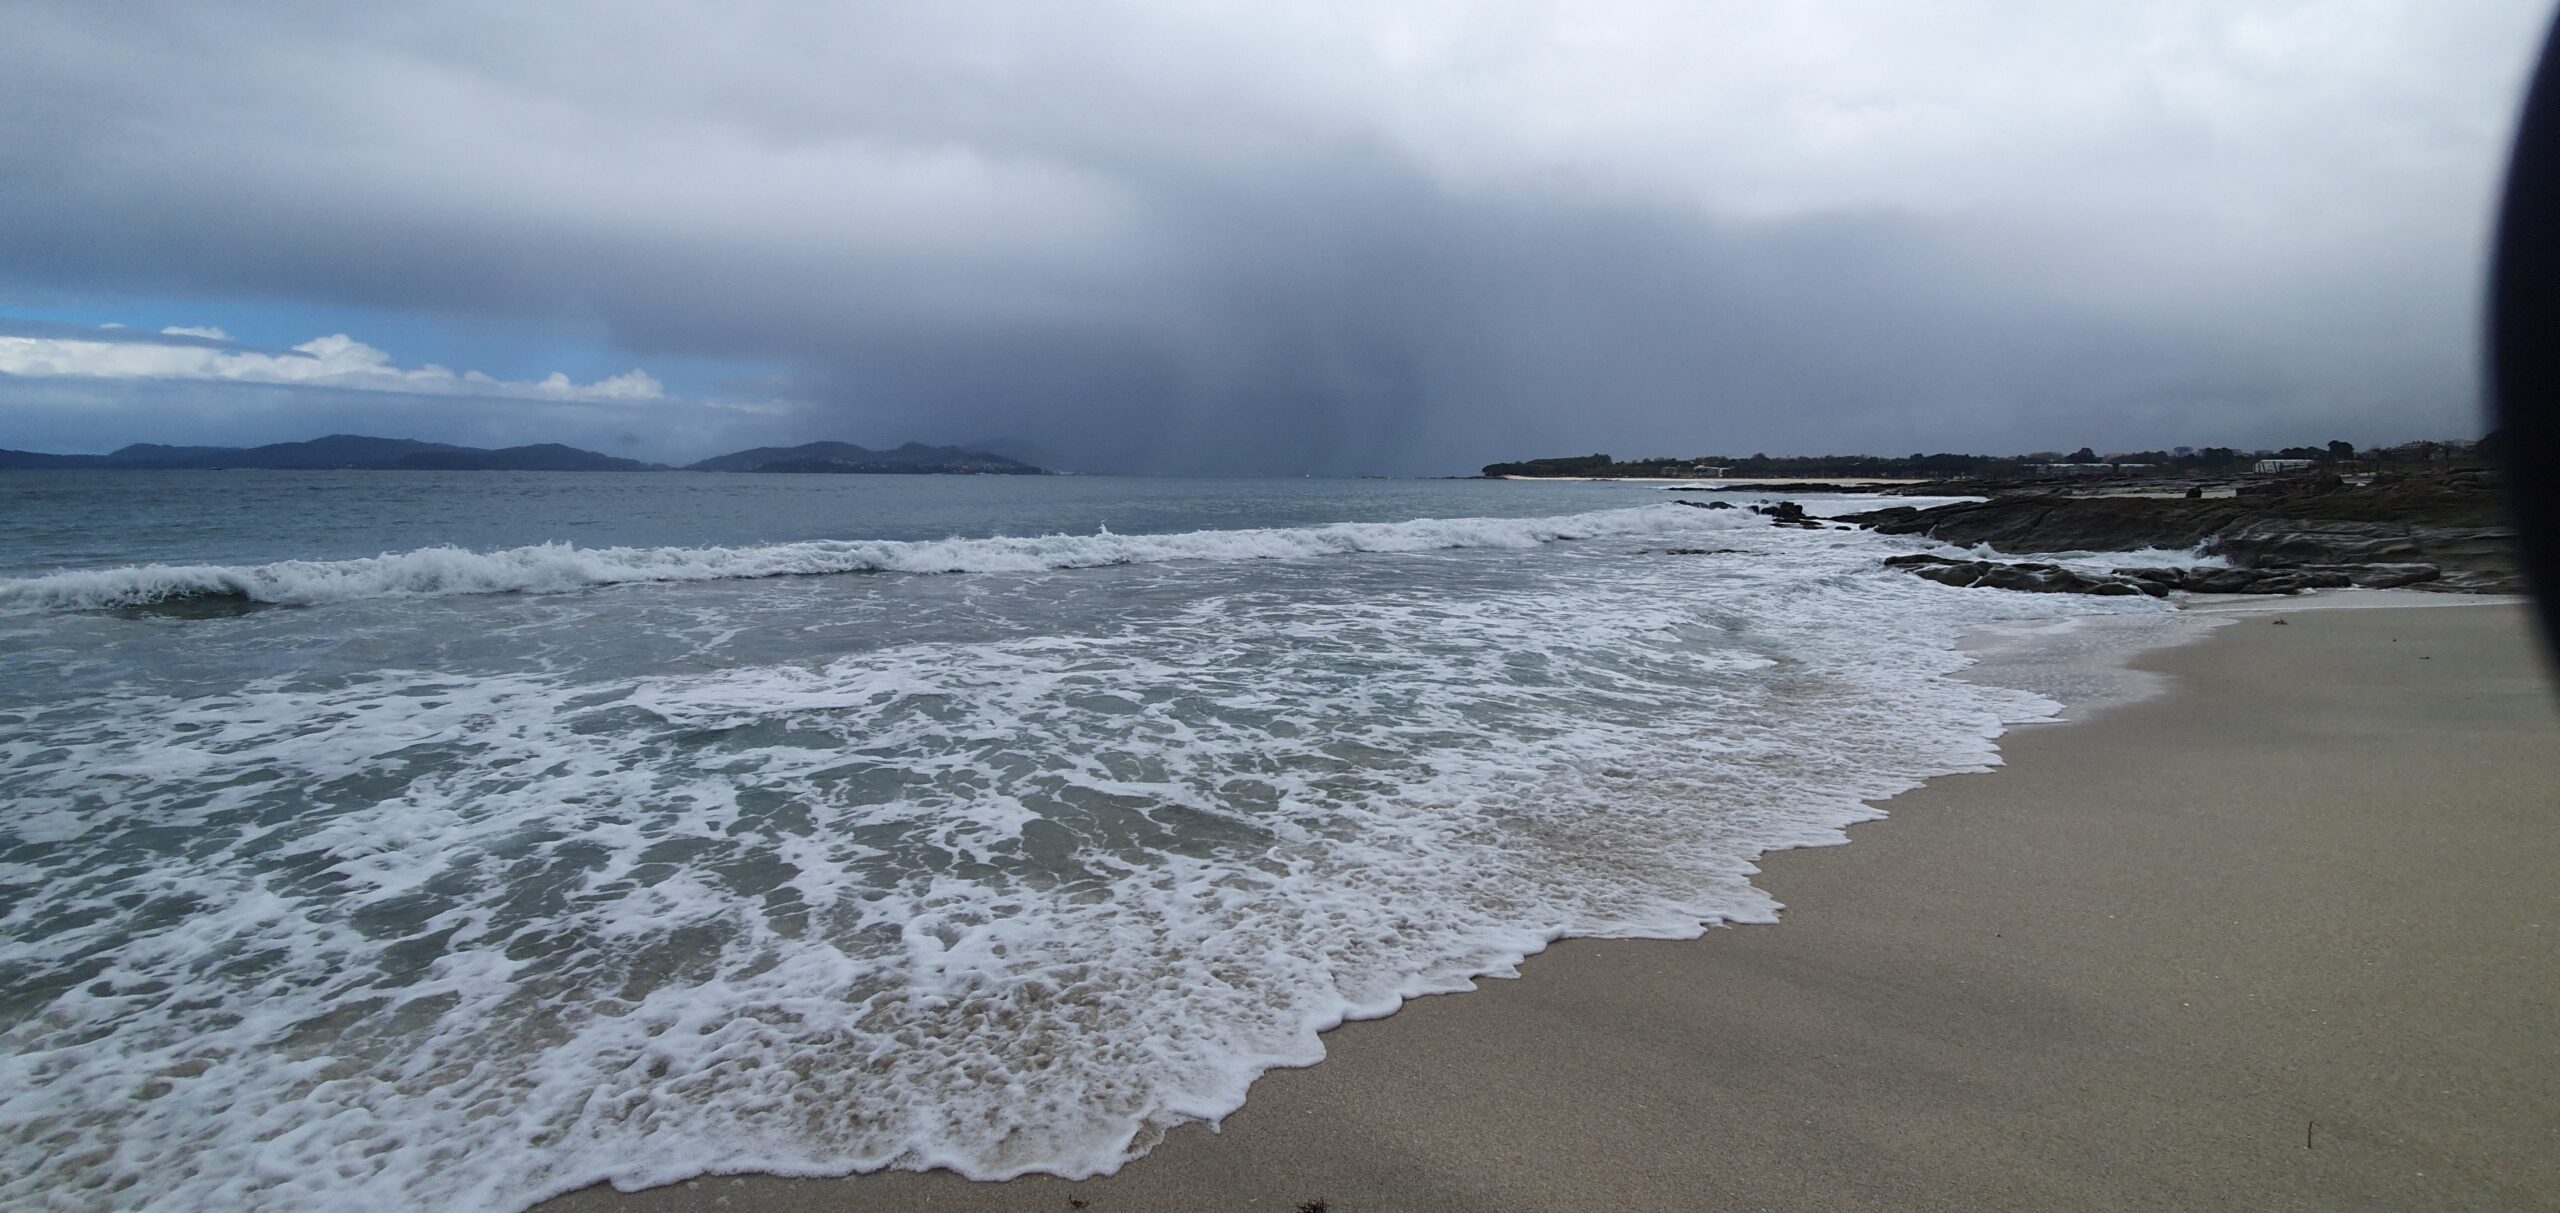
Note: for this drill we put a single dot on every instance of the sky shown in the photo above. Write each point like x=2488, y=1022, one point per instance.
x=1193, y=237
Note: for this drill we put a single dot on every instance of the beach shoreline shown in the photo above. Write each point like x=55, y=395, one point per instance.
x=2279, y=937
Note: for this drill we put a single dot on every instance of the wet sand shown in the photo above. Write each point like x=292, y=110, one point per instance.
x=2282, y=938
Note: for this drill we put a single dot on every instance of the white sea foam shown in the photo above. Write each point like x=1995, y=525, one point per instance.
x=560, y=567
x=413, y=939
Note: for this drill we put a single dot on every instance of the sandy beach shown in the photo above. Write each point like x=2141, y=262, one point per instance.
x=2280, y=938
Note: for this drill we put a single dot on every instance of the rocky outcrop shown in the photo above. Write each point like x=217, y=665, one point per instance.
x=2444, y=531
x=2241, y=581
x=1787, y=513
x=2032, y=578
x=2477, y=583
x=1783, y=513
x=2284, y=542
x=2158, y=581
x=2054, y=523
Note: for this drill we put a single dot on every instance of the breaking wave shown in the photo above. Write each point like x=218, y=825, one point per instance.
x=455, y=940
x=552, y=568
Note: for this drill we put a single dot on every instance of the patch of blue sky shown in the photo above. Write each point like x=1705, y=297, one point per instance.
x=511, y=349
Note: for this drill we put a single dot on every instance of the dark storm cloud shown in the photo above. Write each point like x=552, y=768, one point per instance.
x=1403, y=237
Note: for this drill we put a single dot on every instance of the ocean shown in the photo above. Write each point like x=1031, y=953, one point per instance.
x=417, y=840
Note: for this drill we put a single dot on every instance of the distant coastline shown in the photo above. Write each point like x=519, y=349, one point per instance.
x=912, y=459
x=357, y=452
x=2085, y=462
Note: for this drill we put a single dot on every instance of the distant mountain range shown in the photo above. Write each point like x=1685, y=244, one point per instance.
x=339, y=451
x=914, y=457
x=359, y=453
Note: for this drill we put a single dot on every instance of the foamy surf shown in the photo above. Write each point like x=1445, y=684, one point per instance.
x=450, y=904
x=561, y=568
x=999, y=907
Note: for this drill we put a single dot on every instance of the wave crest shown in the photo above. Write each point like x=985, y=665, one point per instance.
x=551, y=568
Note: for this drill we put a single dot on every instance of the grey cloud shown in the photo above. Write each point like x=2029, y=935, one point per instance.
x=1180, y=238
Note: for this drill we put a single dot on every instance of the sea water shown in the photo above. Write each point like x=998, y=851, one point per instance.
x=416, y=840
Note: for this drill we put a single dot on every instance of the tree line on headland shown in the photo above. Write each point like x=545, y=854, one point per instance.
x=2177, y=461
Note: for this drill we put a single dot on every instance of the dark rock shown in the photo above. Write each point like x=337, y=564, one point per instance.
x=1960, y=575
x=2275, y=542
x=2284, y=580
x=1893, y=514
x=2317, y=530
x=2301, y=540
x=2024, y=577
x=2034, y=578
x=2168, y=578
x=2054, y=523
x=2379, y=576
x=1786, y=513
x=2260, y=581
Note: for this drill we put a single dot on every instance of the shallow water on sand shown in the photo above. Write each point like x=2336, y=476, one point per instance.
x=455, y=840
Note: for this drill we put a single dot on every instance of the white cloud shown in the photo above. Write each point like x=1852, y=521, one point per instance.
x=208, y=332
x=336, y=361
